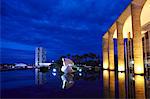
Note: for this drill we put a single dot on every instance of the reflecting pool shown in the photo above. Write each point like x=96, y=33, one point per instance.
x=81, y=84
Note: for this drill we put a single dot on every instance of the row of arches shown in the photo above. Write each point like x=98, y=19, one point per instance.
x=132, y=24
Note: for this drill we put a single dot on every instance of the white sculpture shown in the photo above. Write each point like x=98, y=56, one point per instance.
x=67, y=65
x=67, y=80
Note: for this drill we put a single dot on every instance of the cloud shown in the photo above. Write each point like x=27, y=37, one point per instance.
x=17, y=46
x=60, y=26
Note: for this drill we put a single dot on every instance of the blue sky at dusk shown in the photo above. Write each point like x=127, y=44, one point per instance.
x=60, y=26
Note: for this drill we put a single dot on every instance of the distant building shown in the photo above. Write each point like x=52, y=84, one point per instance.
x=20, y=65
x=40, y=56
x=45, y=64
x=6, y=66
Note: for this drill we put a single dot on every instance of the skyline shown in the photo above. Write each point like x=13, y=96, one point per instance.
x=61, y=27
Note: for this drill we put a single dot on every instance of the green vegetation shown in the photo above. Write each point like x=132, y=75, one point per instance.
x=43, y=69
x=89, y=59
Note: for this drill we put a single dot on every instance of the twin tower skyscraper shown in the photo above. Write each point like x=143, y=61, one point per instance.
x=40, y=56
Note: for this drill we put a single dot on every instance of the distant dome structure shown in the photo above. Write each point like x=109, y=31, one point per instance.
x=21, y=65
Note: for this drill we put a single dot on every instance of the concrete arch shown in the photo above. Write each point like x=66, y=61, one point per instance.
x=136, y=20
x=125, y=20
x=136, y=9
x=124, y=15
x=115, y=34
x=127, y=27
x=120, y=40
x=112, y=28
x=145, y=17
x=105, y=35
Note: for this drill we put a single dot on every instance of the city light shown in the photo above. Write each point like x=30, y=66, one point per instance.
x=80, y=74
x=54, y=74
x=54, y=70
x=80, y=70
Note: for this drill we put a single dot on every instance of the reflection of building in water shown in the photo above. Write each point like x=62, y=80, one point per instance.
x=112, y=84
x=40, y=78
x=106, y=83
x=136, y=21
x=67, y=80
x=121, y=85
x=121, y=79
x=147, y=88
x=130, y=85
x=139, y=87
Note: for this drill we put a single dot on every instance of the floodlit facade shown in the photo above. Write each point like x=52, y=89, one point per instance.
x=134, y=25
x=40, y=56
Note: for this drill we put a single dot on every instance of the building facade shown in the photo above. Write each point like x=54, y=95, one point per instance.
x=135, y=21
x=40, y=56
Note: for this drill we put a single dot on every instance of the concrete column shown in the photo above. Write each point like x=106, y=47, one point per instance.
x=111, y=51
x=145, y=54
x=137, y=39
x=105, y=53
x=148, y=41
x=148, y=49
x=145, y=50
x=129, y=53
x=121, y=65
x=130, y=46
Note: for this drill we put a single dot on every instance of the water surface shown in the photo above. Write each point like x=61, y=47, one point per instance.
x=102, y=84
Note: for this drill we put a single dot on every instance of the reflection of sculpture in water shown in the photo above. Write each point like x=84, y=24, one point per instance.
x=67, y=65
x=67, y=77
x=67, y=80
x=40, y=78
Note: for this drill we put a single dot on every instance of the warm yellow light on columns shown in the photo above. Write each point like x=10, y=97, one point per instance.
x=139, y=87
x=137, y=39
x=106, y=83
x=121, y=65
x=105, y=53
x=129, y=50
x=112, y=84
x=121, y=80
x=111, y=51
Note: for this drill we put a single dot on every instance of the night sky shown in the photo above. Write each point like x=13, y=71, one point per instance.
x=60, y=26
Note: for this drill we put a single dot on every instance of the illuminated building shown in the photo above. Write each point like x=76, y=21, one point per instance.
x=40, y=56
x=136, y=20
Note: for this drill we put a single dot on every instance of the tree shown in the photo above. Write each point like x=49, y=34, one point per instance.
x=68, y=55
